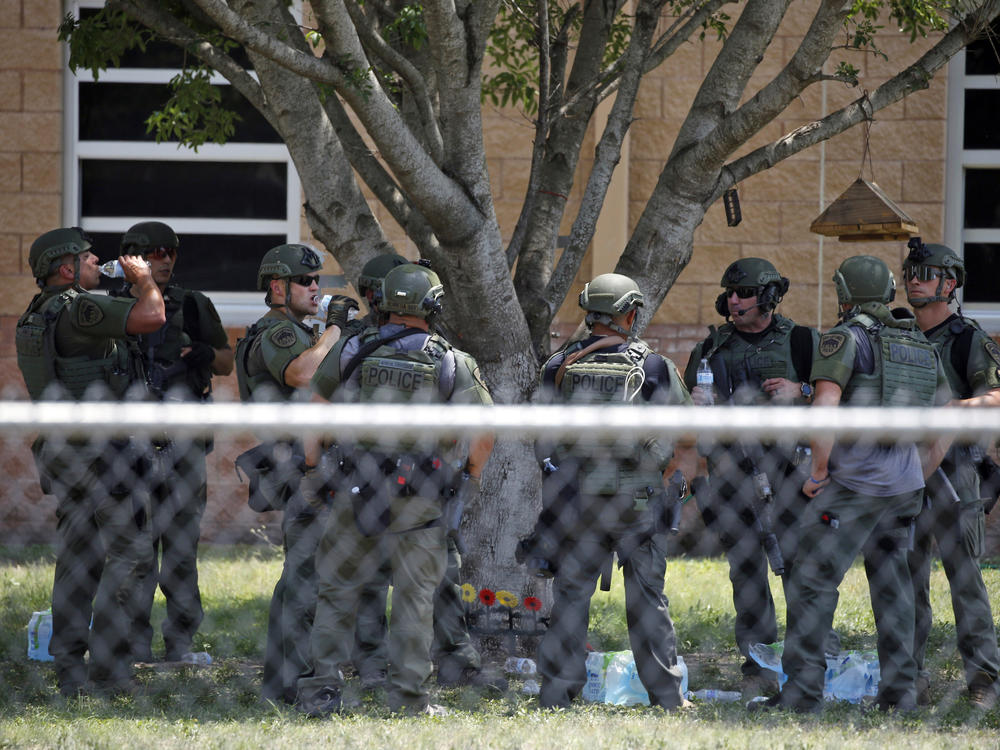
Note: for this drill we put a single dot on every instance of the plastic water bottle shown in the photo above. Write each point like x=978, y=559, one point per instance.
x=39, y=635
x=113, y=269
x=324, y=305
x=705, y=379
x=720, y=696
x=518, y=665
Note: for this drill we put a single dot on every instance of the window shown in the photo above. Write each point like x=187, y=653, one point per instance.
x=972, y=205
x=228, y=204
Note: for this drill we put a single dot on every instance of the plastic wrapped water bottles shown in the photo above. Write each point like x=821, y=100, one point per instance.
x=39, y=635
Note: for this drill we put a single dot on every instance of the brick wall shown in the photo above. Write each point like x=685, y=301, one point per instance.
x=907, y=161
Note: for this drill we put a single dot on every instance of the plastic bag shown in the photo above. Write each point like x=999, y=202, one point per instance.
x=850, y=675
x=612, y=678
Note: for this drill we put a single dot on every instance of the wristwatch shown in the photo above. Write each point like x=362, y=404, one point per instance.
x=807, y=391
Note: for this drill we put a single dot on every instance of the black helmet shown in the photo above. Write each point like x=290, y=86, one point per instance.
x=147, y=235
x=53, y=245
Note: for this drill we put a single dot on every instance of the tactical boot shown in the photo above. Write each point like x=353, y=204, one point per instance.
x=322, y=703
x=923, y=690
x=472, y=678
x=982, y=692
x=373, y=680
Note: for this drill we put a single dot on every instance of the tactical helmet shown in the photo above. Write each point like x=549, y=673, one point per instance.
x=375, y=271
x=611, y=294
x=770, y=286
x=926, y=257
x=864, y=278
x=53, y=245
x=146, y=235
x=412, y=289
x=285, y=261
x=750, y=272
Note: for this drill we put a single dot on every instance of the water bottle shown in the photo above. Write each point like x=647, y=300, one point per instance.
x=39, y=635
x=518, y=665
x=324, y=305
x=113, y=269
x=721, y=696
x=706, y=380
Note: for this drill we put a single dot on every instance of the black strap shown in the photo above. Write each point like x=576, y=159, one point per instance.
x=371, y=346
x=960, y=351
x=802, y=352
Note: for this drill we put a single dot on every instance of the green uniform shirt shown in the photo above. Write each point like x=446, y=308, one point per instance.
x=268, y=348
x=970, y=357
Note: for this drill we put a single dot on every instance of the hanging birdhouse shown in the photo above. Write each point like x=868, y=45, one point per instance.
x=863, y=213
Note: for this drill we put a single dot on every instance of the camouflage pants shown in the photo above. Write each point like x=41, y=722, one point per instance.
x=178, y=494
x=562, y=652
x=346, y=564
x=959, y=529
x=102, y=549
x=728, y=513
x=839, y=525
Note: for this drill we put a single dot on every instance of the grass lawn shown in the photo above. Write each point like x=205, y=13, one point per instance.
x=219, y=707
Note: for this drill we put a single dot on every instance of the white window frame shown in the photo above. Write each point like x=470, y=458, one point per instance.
x=235, y=308
x=958, y=159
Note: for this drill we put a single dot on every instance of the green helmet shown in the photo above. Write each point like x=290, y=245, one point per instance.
x=53, y=245
x=923, y=259
x=147, y=235
x=285, y=261
x=611, y=294
x=411, y=289
x=864, y=278
x=375, y=271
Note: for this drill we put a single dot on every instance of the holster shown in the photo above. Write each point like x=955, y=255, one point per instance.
x=273, y=471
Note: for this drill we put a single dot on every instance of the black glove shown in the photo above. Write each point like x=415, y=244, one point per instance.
x=338, y=310
x=201, y=355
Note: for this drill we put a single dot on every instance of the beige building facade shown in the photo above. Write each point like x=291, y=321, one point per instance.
x=48, y=178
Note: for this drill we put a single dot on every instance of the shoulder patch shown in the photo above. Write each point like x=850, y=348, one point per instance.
x=283, y=337
x=831, y=343
x=993, y=349
x=88, y=313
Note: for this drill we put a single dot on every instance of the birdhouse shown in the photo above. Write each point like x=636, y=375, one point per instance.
x=863, y=213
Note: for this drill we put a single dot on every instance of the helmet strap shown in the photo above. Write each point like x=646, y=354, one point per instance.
x=606, y=320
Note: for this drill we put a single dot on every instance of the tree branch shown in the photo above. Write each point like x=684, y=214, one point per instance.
x=409, y=73
x=914, y=78
x=436, y=194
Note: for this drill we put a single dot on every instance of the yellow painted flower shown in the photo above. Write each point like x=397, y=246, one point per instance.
x=469, y=593
x=507, y=599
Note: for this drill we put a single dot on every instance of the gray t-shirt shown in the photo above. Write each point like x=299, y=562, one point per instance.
x=880, y=470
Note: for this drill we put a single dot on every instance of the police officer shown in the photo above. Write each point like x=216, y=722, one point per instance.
x=274, y=362
x=458, y=661
x=933, y=274
x=863, y=496
x=616, y=500
x=180, y=359
x=390, y=506
x=72, y=344
x=758, y=357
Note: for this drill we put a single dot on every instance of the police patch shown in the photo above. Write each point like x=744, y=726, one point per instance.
x=831, y=343
x=992, y=349
x=88, y=313
x=283, y=337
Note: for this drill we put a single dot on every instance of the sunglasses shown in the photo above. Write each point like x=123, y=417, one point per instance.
x=159, y=253
x=743, y=292
x=304, y=280
x=922, y=273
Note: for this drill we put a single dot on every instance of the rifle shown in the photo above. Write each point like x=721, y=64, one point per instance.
x=763, y=498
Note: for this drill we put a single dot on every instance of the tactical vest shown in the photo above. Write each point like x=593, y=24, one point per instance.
x=251, y=370
x=425, y=375
x=954, y=343
x=750, y=364
x=905, y=372
x=41, y=365
x=605, y=377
